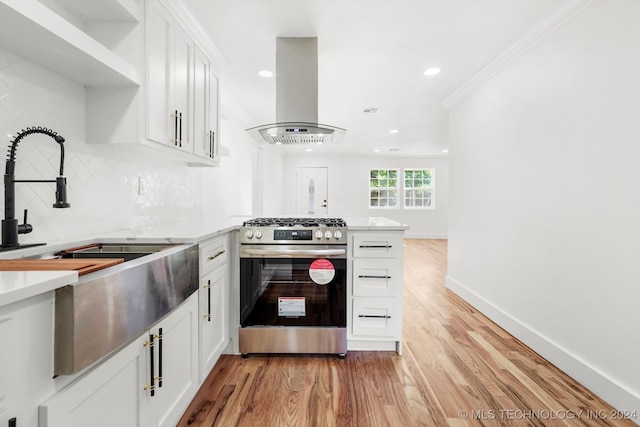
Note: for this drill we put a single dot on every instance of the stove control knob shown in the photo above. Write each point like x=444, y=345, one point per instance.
x=327, y=234
x=337, y=235
x=319, y=234
x=249, y=234
x=258, y=234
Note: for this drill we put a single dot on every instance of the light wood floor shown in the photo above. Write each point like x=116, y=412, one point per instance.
x=458, y=369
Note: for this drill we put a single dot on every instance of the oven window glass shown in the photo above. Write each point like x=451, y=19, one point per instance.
x=283, y=292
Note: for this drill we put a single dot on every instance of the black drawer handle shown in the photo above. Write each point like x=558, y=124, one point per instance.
x=212, y=257
x=374, y=316
x=375, y=246
x=374, y=277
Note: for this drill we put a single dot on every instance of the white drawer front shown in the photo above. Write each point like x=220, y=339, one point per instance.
x=376, y=317
x=376, y=277
x=213, y=254
x=377, y=245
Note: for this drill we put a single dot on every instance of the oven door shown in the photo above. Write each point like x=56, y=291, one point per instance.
x=293, y=285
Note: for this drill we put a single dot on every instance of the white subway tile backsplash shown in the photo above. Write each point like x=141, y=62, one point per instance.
x=102, y=181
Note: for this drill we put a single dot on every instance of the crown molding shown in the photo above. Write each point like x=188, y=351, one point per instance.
x=557, y=19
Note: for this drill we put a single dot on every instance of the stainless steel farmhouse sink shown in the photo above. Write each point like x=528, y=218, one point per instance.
x=109, y=308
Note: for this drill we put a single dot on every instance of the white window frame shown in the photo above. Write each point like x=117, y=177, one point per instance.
x=413, y=191
x=396, y=189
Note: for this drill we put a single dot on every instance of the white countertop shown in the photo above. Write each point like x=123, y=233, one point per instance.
x=372, y=223
x=18, y=285
x=15, y=286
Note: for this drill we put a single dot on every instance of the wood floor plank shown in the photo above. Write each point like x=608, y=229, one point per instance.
x=458, y=369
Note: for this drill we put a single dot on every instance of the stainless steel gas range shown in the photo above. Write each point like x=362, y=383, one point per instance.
x=293, y=279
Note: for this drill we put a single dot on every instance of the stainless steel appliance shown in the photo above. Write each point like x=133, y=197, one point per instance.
x=293, y=280
x=297, y=97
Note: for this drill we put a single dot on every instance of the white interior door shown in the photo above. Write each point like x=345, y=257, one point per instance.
x=311, y=191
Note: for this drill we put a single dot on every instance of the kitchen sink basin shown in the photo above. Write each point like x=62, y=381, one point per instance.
x=113, y=250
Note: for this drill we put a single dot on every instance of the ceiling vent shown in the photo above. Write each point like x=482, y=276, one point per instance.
x=297, y=97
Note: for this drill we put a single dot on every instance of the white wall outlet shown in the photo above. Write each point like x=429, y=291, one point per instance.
x=143, y=186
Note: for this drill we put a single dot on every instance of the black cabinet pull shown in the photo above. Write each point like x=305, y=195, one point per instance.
x=374, y=277
x=159, y=336
x=175, y=127
x=209, y=301
x=151, y=385
x=211, y=136
x=376, y=246
x=212, y=257
x=180, y=139
x=374, y=316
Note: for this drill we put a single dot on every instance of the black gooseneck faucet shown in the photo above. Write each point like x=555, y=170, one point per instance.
x=10, y=226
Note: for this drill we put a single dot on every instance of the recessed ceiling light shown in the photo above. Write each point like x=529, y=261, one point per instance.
x=445, y=151
x=376, y=150
x=393, y=131
x=278, y=143
x=431, y=71
x=308, y=149
x=265, y=73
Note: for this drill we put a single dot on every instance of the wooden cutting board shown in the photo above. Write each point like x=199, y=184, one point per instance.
x=82, y=266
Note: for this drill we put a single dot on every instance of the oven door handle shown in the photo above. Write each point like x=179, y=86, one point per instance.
x=292, y=253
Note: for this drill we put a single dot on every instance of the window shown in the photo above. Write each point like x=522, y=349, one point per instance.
x=383, y=188
x=418, y=188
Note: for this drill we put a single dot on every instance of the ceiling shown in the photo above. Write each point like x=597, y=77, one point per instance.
x=371, y=54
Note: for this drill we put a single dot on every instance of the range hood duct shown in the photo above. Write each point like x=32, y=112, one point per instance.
x=297, y=97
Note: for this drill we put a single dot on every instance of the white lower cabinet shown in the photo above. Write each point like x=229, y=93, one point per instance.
x=26, y=359
x=149, y=383
x=176, y=353
x=214, y=302
x=110, y=395
x=375, y=290
x=214, y=327
x=376, y=317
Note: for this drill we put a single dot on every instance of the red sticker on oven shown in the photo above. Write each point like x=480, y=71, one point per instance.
x=322, y=271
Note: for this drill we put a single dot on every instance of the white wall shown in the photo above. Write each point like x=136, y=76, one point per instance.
x=544, y=231
x=273, y=177
x=102, y=180
x=348, y=189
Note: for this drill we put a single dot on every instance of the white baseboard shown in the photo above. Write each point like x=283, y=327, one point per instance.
x=597, y=382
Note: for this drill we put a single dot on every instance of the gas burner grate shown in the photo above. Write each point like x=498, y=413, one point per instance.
x=295, y=222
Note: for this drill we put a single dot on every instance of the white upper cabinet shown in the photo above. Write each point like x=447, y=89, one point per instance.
x=137, y=60
x=60, y=39
x=205, y=123
x=213, y=134
x=182, y=101
x=169, y=66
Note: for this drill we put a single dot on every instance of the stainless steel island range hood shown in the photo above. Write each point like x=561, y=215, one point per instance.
x=297, y=97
